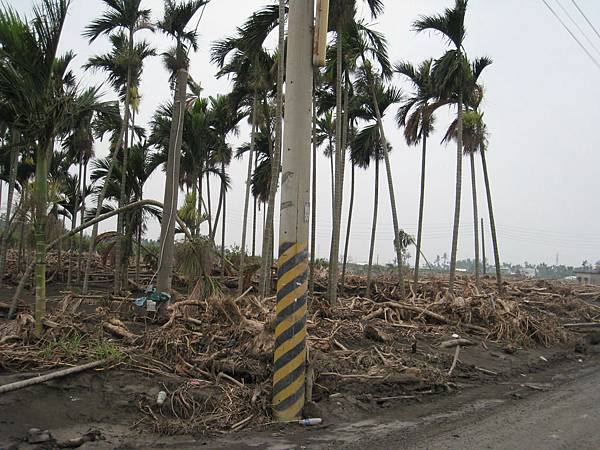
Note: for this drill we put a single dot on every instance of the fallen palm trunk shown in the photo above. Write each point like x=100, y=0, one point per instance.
x=50, y=376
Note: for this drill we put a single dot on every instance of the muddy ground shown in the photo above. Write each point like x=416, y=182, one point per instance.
x=106, y=402
x=381, y=372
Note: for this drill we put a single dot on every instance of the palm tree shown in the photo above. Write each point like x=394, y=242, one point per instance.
x=416, y=118
x=176, y=19
x=126, y=17
x=450, y=73
x=29, y=64
x=341, y=16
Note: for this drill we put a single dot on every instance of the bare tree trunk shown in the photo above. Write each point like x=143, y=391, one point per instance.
x=210, y=223
x=12, y=179
x=82, y=201
x=373, y=228
x=224, y=194
x=340, y=159
x=475, y=218
x=332, y=171
x=483, y=260
x=138, y=253
x=492, y=220
x=459, y=155
x=255, y=205
x=348, y=226
x=167, y=226
x=247, y=197
x=390, y=180
x=421, y=206
x=41, y=220
x=313, y=222
x=268, y=245
x=218, y=213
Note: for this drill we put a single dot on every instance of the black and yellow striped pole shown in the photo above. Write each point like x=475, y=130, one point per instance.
x=290, y=331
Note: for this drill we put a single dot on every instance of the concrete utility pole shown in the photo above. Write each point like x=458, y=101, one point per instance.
x=292, y=284
x=167, y=226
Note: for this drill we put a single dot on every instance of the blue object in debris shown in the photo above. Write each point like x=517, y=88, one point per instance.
x=151, y=294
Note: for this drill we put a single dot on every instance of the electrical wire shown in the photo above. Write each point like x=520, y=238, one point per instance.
x=594, y=60
x=586, y=18
x=583, y=33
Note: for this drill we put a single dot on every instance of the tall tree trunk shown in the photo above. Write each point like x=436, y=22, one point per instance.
x=488, y=192
x=12, y=179
x=224, y=221
x=82, y=203
x=138, y=254
x=247, y=197
x=21, y=242
x=373, y=228
x=41, y=220
x=332, y=172
x=313, y=210
x=167, y=226
x=71, y=241
x=483, y=260
x=268, y=245
x=209, y=209
x=475, y=218
x=254, y=211
x=120, y=242
x=60, y=252
x=200, y=201
x=390, y=180
x=421, y=206
x=218, y=213
x=340, y=159
x=455, y=229
x=348, y=226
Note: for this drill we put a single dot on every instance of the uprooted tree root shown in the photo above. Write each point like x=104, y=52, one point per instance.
x=213, y=357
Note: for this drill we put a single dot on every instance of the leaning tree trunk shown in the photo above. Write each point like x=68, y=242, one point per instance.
x=492, y=220
x=41, y=220
x=348, y=227
x=373, y=228
x=12, y=179
x=334, y=253
x=390, y=180
x=475, y=218
x=313, y=211
x=94, y=221
x=217, y=214
x=421, y=206
x=459, y=156
x=267, y=247
x=254, y=211
x=247, y=198
x=167, y=225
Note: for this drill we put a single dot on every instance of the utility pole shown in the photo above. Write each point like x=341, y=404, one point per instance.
x=292, y=285
x=483, y=248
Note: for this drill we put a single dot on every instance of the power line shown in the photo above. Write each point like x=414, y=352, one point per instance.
x=583, y=33
x=594, y=60
x=586, y=18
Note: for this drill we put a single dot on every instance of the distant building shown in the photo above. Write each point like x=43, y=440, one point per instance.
x=588, y=276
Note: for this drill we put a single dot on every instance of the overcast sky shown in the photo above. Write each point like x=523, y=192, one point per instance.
x=541, y=108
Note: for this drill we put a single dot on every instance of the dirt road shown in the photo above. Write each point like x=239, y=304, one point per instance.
x=553, y=409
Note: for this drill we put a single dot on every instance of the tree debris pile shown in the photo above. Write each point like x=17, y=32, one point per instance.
x=213, y=358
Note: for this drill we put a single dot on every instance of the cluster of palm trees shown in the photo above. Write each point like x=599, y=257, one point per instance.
x=48, y=138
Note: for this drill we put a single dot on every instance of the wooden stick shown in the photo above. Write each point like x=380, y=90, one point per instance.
x=50, y=376
x=455, y=342
x=456, y=353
